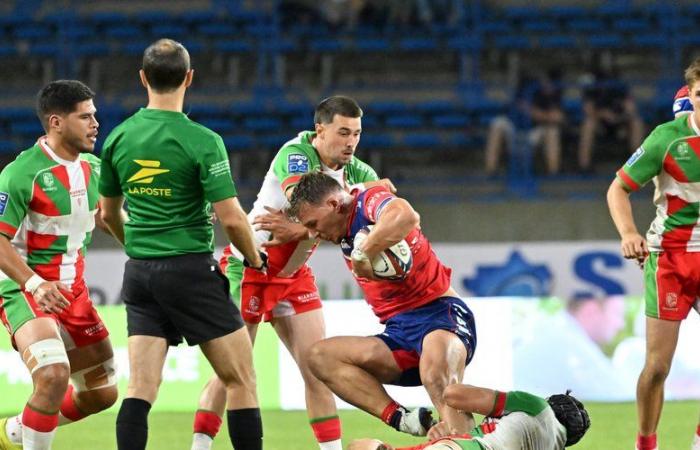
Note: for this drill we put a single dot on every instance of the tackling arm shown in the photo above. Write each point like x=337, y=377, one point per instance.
x=235, y=223
x=397, y=219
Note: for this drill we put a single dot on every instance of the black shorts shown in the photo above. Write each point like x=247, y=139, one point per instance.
x=180, y=296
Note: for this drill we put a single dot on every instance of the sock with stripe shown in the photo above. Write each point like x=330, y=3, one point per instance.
x=327, y=431
x=38, y=429
x=646, y=442
x=206, y=427
x=69, y=411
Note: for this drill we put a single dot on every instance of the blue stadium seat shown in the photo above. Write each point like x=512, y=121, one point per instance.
x=370, y=122
x=197, y=17
x=238, y=142
x=557, y=41
x=152, y=17
x=32, y=31
x=107, y=18
x=169, y=30
x=386, y=107
x=433, y=107
x=262, y=124
x=218, y=124
x=278, y=45
x=690, y=40
x=566, y=12
x=512, y=42
x=26, y=128
x=47, y=50
x=540, y=26
x=8, y=147
x=17, y=114
x=422, y=44
x=611, y=41
x=325, y=46
x=123, y=31
x=377, y=140
x=494, y=27
x=91, y=49
x=233, y=46
x=650, y=41
x=272, y=141
x=585, y=24
x=631, y=25
x=464, y=43
x=217, y=30
x=207, y=109
x=522, y=12
x=451, y=121
x=421, y=140
x=299, y=123
x=7, y=50
x=377, y=44
x=134, y=48
x=404, y=121
x=248, y=108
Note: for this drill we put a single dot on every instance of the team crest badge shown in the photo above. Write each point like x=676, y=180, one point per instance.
x=48, y=179
x=671, y=300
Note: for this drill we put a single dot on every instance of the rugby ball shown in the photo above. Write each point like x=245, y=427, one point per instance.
x=394, y=263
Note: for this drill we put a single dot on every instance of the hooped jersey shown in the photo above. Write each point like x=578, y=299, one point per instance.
x=427, y=280
x=670, y=156
x=47, y=209
x=294, y=159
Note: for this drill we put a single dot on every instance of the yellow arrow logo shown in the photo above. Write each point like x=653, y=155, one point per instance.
x=149, y=169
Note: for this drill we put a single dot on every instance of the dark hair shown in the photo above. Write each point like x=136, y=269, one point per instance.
x=165, y=63
x=312, y=188
x=570, y=413
x=338, y=104
x=60, y=97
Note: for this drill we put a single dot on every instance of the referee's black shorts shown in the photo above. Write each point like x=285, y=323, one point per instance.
x=179, y=296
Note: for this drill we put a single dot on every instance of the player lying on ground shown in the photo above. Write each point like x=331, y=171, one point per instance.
x=514, y=421
x=429, y=336
x=48, y=207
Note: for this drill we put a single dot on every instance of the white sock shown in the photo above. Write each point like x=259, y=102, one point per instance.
x=13, y=428
x=696, y=442
x=37, y=440
x=331, y=445
x=201, y=441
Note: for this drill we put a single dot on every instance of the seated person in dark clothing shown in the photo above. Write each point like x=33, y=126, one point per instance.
x=607, y=105
x=537, y=107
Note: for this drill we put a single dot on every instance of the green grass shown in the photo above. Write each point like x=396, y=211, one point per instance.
x=613, y=428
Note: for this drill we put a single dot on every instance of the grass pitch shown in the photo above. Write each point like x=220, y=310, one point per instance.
x=613, y=428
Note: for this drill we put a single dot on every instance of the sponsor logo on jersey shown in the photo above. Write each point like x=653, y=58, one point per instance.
x=4, y=198
x=297, y=163
x=148, y=171
x=635, y=156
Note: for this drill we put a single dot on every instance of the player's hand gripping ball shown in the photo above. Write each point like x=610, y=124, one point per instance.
x=394, y=263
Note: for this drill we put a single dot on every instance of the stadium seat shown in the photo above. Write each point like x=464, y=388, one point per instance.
x=650, y=41
x=123, y=31
x=465, y=43
x=197, y=17
x=378, y=44
x=238, y=142
x=7, y=50
x=418, y=44
x=377, y=140
x=451, y=121
x=631, y=25
x=404, y=121
x=33, y=32
x=26, y=128
x=421, y=140
x=233, y=46
x=567, y=12
x=512, y=42
x=44, y=50
x=217, y=30
x=540, y=26
x=218, y=124
x=172, y=31
x=325, y=46
x=563, y=41
x=91, y=49
x=262, y=124
x=611, y=41
x=585, y=25
x=9, y=147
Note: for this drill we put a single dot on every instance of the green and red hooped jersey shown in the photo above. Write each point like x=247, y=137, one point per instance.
x=670, y=156
x=47, y=209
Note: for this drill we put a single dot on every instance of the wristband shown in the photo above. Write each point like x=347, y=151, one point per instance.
x=32, y=284
x=263, y=266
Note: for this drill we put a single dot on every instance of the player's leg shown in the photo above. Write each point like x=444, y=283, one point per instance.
x=442, y=363
x=44, y=354
x=146, y=360
x=231, y=357
x=500, y=136
x=696, y=438
x=212, y=405
x=552, y=148
x=355, y=369
x=587, y=135
x=298, y=333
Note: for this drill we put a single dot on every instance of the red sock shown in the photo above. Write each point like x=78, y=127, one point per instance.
x=697, y=430
x=206, y=422
x=389, y=412
x=39, y=421
x=646, y=442
x=69, y=409
x=326, y=428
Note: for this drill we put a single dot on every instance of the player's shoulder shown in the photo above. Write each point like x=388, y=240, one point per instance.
x=25, y=167
x=670, y=131
x=198, y=131
x=298, y=154
x=299, y=144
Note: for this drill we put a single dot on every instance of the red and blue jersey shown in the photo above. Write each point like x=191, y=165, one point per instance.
x=427, y=280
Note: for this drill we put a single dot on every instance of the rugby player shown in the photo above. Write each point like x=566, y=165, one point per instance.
x=48, y=207
x=430, y=335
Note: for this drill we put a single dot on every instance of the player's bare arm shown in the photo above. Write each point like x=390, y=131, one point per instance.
x=112, y=214
x=282, y=228
x=397, y=219
x=385, y=182
x=633, y=244
x=46, y=293
x=235, y=223
x=104, y=226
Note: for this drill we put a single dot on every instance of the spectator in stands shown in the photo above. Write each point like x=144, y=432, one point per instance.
x=608, y=106
x=537, y=106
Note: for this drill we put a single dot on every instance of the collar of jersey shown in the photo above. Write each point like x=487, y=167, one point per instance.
x=161, y=113
x=693, y=125
x=44, y=144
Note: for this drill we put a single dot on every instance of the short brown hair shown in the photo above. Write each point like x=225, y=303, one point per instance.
x=165, y=64
x=692, y=73
x=312, y=188
x=337, y=104
x=60, y=97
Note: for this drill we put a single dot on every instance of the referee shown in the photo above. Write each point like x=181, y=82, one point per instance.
x=172, y=171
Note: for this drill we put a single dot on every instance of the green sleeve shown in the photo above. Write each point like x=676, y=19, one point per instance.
x=524, y=402
x=646, y=162
x=290, y=164
x=214, y=171
x=15, y=194
x=109, y=180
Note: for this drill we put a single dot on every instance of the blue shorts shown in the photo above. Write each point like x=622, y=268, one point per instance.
x=404, y=333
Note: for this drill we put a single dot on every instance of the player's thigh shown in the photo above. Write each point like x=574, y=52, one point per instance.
x=661, y=339
x=444, y=355
x=300, y=331
x=369, y=353
x=35, y=330
x=231, y=356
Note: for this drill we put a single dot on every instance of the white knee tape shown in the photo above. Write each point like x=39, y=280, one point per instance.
x=96, y=377
x=43, y=353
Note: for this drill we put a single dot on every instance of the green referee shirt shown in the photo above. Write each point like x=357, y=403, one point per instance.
x=169, y=169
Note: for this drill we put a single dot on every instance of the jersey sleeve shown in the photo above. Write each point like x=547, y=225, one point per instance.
x=290, y=164
x=362, y=172
x=376, y=198
x=525, y=402
x=215, y=173
x=109, y=185
x=15, y=194
x=645, y=163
